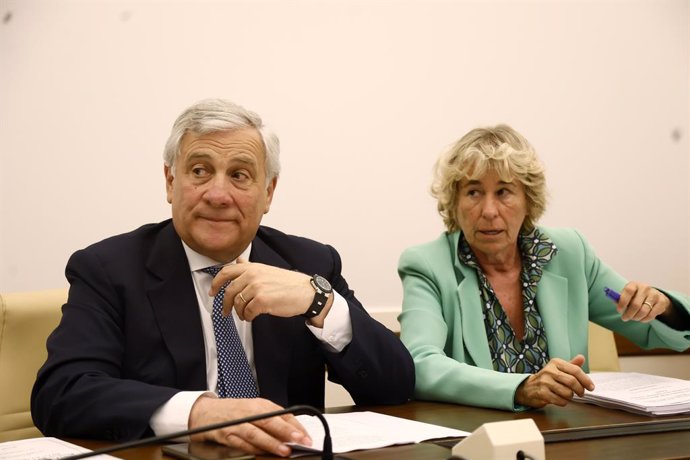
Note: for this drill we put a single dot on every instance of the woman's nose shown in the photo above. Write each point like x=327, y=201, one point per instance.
x=489, y=208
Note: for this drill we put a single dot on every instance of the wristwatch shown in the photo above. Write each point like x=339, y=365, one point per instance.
x=322, y=289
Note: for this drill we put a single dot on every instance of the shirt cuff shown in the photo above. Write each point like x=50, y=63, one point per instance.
x=173, y=416
x=336, y=333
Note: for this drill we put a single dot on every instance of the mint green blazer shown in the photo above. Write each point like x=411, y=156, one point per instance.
x=442, y=325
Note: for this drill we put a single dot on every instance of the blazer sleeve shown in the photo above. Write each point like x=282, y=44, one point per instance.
x=655, y=334
x=444, y=369
x=81, y=391
x=375, y=367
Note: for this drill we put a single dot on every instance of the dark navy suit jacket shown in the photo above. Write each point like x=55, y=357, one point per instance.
x=131, y=337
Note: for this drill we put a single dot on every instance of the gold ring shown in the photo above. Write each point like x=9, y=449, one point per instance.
x=242, y=297
x=648, y=304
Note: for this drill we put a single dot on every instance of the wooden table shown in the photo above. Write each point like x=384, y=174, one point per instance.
x=574, y=422
x=577, y=432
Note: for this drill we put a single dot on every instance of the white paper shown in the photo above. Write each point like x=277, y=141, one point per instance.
x=42, y=449
x=641, y=393
x=370, y=430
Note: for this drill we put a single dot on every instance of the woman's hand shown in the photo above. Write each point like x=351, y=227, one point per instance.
x=641, y=302
x=556, y=383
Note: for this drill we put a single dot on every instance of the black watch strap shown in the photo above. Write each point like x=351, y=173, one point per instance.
x=322, y=289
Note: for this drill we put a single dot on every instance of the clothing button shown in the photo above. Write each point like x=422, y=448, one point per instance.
x=362, y=373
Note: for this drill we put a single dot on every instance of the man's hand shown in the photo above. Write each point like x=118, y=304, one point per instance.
x=269, y=435
x=556, y=383
x=641, y=302
x=257, y=289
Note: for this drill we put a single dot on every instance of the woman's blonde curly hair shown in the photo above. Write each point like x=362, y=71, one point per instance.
x=499, y=148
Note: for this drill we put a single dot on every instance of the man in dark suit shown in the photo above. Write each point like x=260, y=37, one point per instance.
x=140, y=349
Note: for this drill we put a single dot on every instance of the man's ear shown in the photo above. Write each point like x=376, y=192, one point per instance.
x=169, y=177
x=269, y=193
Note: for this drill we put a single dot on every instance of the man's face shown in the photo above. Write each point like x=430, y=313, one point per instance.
x=219, y=192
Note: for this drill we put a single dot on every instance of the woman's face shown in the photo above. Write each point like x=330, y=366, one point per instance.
x=490, y=213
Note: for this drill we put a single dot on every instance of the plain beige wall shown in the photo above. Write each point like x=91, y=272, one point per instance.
x=364, y=95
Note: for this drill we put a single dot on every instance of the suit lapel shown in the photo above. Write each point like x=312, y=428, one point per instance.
x=272, y=336
x=171, y=293
x=552, y=301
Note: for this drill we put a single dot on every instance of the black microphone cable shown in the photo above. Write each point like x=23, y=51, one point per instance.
x=326, y=452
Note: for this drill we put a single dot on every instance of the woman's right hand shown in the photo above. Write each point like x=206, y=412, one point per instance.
x=556, y=383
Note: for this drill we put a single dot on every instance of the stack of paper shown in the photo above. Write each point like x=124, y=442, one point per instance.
x=349, y=431
x=370, y=430
x=43, y=449
x=639, y=393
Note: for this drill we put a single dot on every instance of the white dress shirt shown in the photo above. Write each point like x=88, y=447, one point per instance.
x=174, y=414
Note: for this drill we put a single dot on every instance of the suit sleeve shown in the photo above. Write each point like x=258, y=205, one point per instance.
x=82, y=390
x=444, y=371
x=375, y=367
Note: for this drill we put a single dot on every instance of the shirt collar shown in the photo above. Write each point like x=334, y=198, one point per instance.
x=199, y=261
x=536, y=248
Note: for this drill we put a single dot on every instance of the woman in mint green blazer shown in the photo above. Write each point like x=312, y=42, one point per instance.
x=495, y=311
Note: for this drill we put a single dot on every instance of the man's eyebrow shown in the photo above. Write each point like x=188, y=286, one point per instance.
x=248, y=159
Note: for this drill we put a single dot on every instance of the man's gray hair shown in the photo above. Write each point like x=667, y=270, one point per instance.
x=213, y=115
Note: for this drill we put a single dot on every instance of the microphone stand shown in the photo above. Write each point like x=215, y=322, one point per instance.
x=326, y=452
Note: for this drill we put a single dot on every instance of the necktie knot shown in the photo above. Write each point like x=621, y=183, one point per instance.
x=213, y=270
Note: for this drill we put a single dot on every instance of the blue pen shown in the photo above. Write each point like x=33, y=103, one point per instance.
x=611, y=294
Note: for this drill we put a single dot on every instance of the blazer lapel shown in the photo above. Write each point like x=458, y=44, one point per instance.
x=469, y=301
x=552, y=301
x=473, y=329
x=272, y=336
x=173, y=299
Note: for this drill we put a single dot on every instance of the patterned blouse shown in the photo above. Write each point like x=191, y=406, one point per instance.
x=507, y=352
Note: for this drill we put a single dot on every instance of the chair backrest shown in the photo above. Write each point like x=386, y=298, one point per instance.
x=603, y=353
x=26, y=320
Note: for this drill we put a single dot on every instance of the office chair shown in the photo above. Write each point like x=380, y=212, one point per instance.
x=26, y=320
x=603, y=353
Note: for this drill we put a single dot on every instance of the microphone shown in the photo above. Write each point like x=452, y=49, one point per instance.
x=326, y=451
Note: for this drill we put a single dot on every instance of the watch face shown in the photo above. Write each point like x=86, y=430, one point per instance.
x=322, y=283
